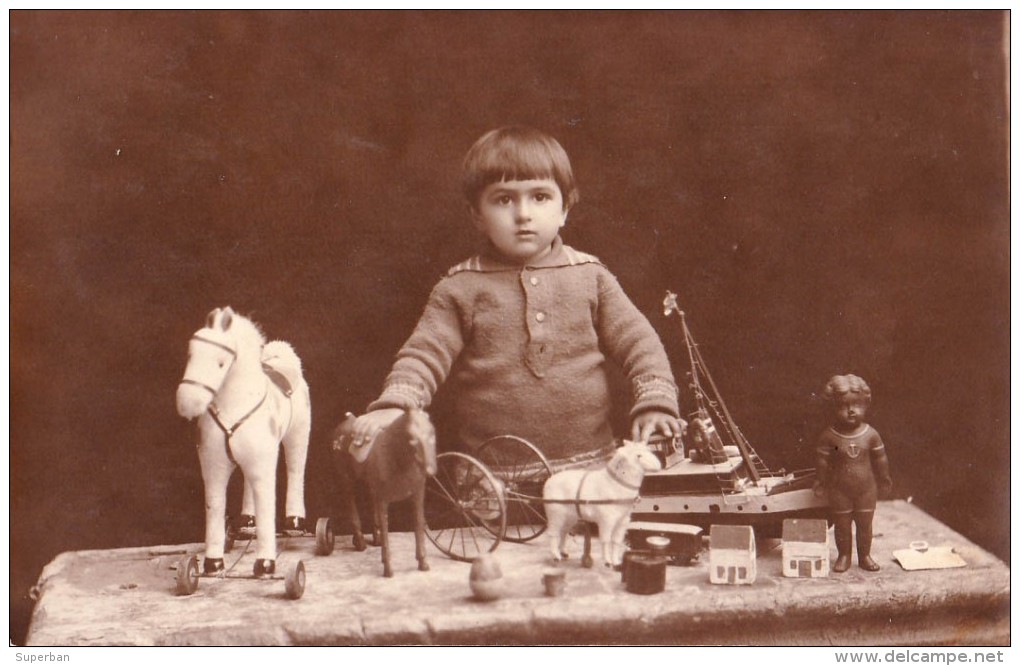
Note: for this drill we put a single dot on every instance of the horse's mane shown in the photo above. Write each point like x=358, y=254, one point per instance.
x=277, y=354
x=248, y=332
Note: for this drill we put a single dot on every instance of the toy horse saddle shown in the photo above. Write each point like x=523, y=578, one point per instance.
x=343, y=441
x=360, y=453
x=278, y=378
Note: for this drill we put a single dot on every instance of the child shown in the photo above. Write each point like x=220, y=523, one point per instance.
x=521, y=331
x=852, y=469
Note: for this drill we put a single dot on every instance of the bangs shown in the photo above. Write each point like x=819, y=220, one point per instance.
x=513, y=161
x=517, y=153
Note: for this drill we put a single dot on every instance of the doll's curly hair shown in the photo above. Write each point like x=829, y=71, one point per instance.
x=840, y=385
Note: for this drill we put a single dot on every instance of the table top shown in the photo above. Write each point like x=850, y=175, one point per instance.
x=125, y=596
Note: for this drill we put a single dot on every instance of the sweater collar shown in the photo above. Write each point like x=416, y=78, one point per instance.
x=489, y=261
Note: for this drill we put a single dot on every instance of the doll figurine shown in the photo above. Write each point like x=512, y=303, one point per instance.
x=852, y=469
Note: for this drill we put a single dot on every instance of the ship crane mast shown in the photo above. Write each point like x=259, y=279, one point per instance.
x=714, y=400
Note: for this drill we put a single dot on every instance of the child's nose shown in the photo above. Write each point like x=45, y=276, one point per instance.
x=523, y=211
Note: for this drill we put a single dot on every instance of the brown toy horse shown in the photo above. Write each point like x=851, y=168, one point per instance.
x=394, y=466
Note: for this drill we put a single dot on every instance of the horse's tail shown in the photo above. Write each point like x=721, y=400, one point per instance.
x=280, y=356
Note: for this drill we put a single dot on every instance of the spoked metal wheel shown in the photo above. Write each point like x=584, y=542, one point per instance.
x=522, y=470
x=465, y=513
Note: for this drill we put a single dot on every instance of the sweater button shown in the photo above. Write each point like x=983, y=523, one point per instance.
x=540, y=317
x=534, y=281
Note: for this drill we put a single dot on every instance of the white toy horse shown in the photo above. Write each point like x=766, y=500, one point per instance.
x=243, y=416
x=604, y=496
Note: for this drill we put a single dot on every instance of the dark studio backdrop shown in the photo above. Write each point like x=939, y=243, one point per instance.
x=827, y=192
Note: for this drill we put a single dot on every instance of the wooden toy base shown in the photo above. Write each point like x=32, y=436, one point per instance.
x=125, y=596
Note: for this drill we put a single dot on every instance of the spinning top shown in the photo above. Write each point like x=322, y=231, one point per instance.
x=486, y=580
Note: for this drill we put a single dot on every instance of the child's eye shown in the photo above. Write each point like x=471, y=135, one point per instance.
x=542, y=196
x=503, y=200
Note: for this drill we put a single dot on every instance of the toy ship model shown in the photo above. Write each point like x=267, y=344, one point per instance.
x=718, y=479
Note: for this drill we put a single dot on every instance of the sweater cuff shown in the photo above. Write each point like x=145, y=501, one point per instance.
x=654, y=393
x=402, y=394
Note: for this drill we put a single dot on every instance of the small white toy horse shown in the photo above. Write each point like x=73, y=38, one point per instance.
x=604, y=496
x=243, y=417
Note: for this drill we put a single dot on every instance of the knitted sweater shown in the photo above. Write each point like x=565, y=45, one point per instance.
x=524, y=349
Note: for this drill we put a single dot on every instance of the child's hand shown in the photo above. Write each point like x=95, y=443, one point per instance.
x=367, y=426
x=648, y=423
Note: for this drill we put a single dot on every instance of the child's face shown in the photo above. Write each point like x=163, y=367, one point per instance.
x=850, y=410
x=521, y=217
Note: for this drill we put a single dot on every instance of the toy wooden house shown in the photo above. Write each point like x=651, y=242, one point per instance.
x=805, y=548
x=732, y=555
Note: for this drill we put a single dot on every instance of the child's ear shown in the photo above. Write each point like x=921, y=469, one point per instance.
x=566, y=211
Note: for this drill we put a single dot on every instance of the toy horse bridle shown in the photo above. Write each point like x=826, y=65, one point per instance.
x=214, y=343
x=214, y=412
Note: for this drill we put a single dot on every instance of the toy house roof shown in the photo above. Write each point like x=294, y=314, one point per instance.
x=737, y=537
x=811, y=530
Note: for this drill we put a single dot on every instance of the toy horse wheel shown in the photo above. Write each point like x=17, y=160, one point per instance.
x=325, y=540
x=465, y=511
x=522, y=469
x=187, y=576
x=295, y=583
